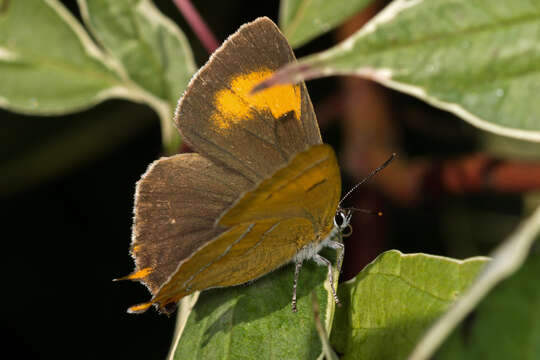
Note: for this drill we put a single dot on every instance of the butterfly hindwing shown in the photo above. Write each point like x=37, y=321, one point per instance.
x=176, y=202
x=300, y=203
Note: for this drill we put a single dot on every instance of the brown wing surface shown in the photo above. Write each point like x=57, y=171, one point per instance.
x=176, y=203
x=252, y=134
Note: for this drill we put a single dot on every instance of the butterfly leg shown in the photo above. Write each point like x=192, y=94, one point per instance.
x=340, y=248
x=322, y=261
x=296, y=273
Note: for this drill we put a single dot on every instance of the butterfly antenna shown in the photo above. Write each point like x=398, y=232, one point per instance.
x=366, y=211
x=370, y=175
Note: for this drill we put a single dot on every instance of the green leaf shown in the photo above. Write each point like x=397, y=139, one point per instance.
x=477, y=59
x=303, y=20
x=255, y=321
x=393, y=300
x=48, y=64
x=514, y=308
x=151, y=50
x=150, y=47
x=506, y=260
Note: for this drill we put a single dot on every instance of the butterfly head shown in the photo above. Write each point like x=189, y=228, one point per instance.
x=342, y=220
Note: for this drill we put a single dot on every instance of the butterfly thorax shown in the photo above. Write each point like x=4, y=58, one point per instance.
x=309, y=250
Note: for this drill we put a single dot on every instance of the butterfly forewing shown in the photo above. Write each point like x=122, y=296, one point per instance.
x=253, y=134
x=309, y=187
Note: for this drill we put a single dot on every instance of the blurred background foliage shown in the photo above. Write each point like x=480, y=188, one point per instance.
x=67, y=184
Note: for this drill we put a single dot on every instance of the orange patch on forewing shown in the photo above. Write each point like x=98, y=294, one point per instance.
x=236, y=104
x=139, y=308
x=139, y=274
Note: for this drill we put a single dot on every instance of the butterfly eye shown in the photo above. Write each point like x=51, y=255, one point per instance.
x=341, y=220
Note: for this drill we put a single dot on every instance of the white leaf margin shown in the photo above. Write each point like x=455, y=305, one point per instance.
x=506, y=260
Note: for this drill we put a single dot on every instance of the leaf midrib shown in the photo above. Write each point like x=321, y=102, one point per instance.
x=149, y=54
x=27, y=58
x=297, y=18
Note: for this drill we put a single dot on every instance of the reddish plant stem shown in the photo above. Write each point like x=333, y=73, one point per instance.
x=480, y=173
x=198, y=25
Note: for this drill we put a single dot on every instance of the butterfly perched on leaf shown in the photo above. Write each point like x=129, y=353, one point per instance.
x=260, y=191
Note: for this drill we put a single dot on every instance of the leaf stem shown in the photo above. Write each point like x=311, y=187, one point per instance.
x=197, y=24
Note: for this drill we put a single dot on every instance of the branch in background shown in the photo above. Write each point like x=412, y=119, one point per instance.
x=481, y=173
x=198, y=25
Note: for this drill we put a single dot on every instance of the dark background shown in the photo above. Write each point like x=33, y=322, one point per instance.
x=66, y=237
